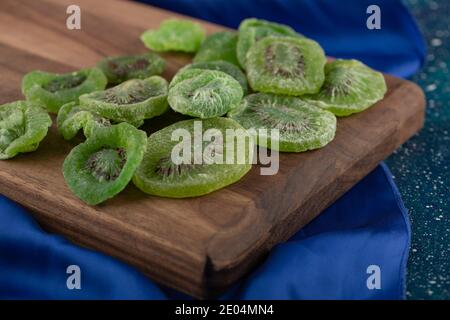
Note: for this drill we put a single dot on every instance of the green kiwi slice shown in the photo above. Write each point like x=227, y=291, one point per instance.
x=131, y=101
x=302, y=126
x=73, y=118
x=291, y=66
x=120, y=69
x=204, y=93
x=23, y=125
x=223, y=66
x=104, y=164
x=219, y=46
x=350, y=87
x=252, y=30
x=175, y=35
x=159, y=175
x=52, y=90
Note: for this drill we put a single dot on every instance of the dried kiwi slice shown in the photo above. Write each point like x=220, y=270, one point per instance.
x=204, y=93
x=53, y=90
x=71, y=119
x=159, y=175
x=223, y=66
x=104, y=164
x=120, y=69
x=219, y=46
x=175, y=35
x=252, y=30
x=23, y=125
x=350, y=86
x=288, y=65
x=301, y=125
x=130, y=101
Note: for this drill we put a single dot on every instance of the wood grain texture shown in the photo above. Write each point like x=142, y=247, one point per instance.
x=202, y=245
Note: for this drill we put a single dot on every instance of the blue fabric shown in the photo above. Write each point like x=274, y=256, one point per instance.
x=326, y=259
x=339, y=26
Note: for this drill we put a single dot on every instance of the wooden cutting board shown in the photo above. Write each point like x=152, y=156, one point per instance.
x=202, y=245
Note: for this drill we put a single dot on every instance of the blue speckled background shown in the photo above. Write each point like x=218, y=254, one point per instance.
x=421, y=166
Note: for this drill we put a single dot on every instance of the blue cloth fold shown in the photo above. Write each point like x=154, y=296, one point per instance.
x=328, y=258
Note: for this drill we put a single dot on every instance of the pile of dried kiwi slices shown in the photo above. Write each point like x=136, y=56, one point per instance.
x=292, y=90
x=299, y=93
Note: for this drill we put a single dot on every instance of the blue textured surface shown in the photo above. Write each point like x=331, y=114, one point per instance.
x=422, y=166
